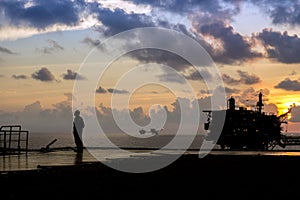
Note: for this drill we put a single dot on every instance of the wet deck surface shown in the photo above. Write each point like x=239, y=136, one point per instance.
x=33, y=160
x=220, y=174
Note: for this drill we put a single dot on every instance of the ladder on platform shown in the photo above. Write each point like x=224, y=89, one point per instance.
x=13, y=139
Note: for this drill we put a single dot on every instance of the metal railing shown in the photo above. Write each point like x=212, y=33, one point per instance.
x=13, y=139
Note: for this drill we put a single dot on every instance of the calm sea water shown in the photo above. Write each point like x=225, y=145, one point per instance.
x=39, y=140
x=60, y=157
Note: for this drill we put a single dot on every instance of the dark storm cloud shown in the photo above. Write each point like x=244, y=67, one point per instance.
x=71, y=75
x=281, y=12
x=43, y=75
x=281, y=46
x=6, y=50
x=160, y=57
x=248, y=79
x=116, y=21
x=42, y=13
x=245, y=78
x=235, y=48
x=289, y=85
x=22, y=76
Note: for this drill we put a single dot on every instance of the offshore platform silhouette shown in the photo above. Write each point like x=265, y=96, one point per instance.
x=248, y=129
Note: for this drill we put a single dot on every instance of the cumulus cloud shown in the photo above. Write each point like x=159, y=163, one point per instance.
x=43, y=75
x=289, y=85
x=71, y=75
x=207, y=9
x=295, y=114
x=52, y=47
x=281, y=46
x=249, y=97
x=245, y=78
x=91, y=42
x=228, y=91
x=172, y=77
x=196, y=75
x=283, y=13
x=36, y=118
x=117, y=20
x=160, y=57
x=41, y=14
x=234, y=48
x=102, y=90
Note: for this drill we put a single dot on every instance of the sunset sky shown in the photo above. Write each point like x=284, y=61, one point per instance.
x=254, y=44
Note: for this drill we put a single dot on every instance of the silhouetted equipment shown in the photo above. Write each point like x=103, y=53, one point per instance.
x=247, y=129
x=231, y=102
x=13, y=139
x=47, y=148
x=259, y=103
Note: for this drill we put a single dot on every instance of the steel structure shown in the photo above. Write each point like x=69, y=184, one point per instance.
x=13, y=139
x=248, y=129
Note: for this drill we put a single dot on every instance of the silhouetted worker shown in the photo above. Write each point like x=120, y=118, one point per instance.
x=78, y=125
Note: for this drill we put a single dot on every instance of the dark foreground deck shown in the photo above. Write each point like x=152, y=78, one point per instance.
x=216, y=176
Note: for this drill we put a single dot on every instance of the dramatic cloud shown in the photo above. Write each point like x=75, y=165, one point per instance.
x=245, y=78
x=43, y=75
x=41, y=14
x=71, y=75
x=22, y=76
x=52, y=47
x=206, y=8
x=281, y=46
x=281, y=12
x=118, y=20
x=233, y=47
x=289, y=85
x=160, y=57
